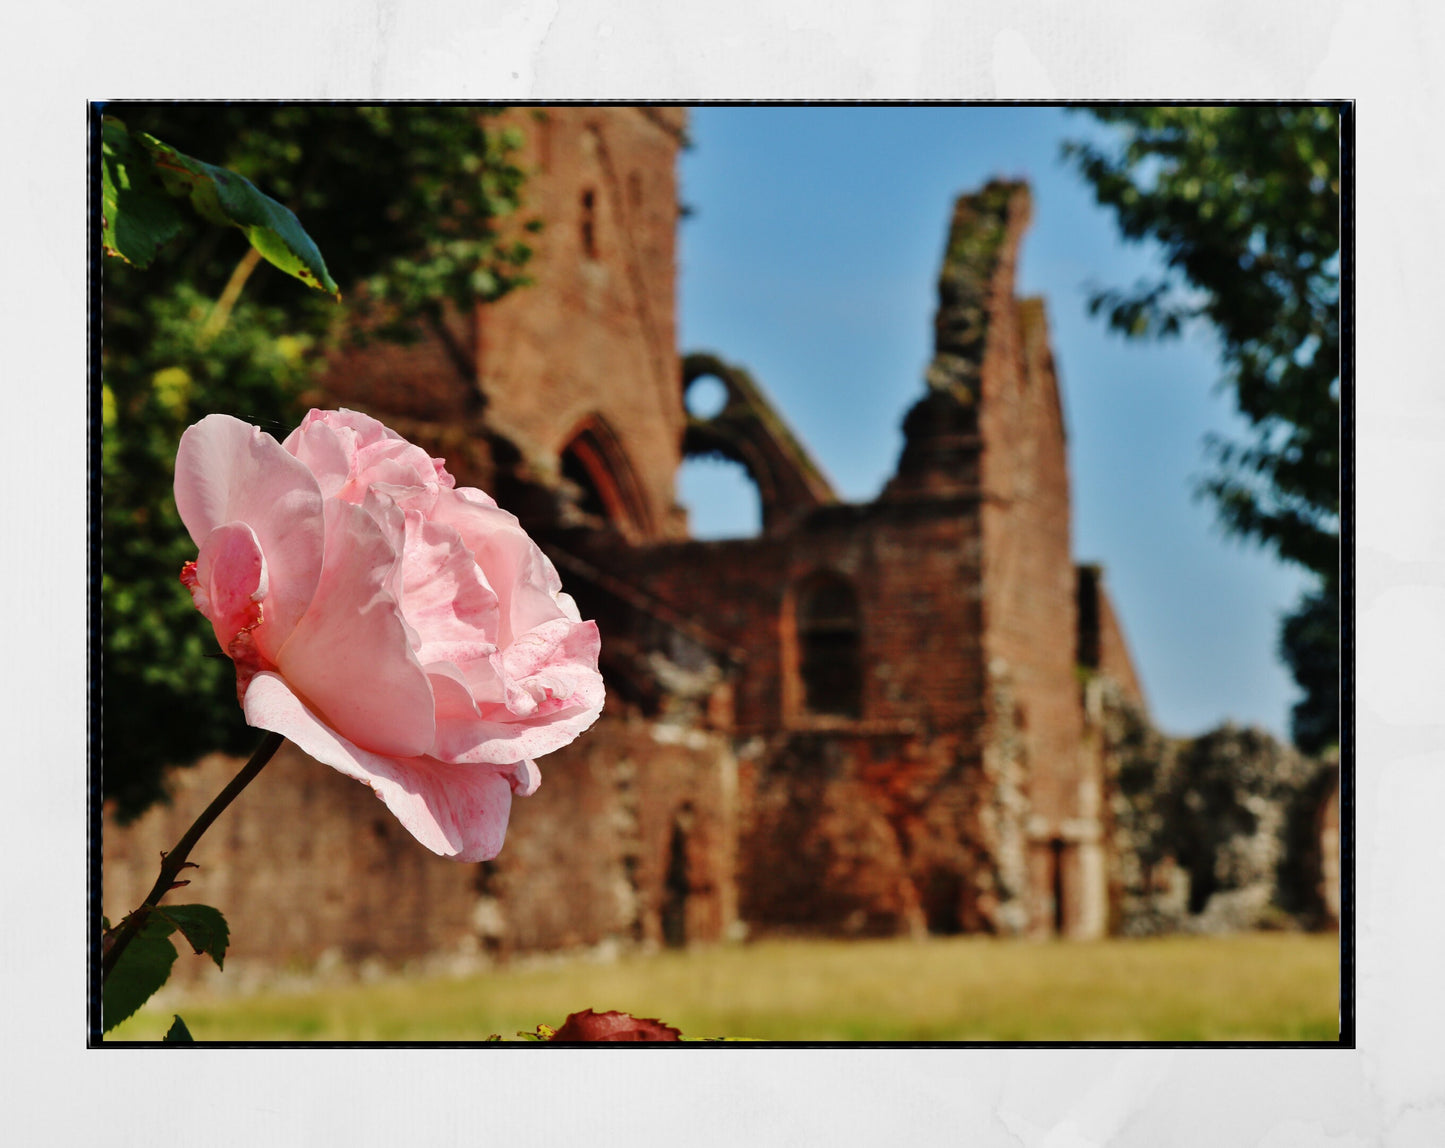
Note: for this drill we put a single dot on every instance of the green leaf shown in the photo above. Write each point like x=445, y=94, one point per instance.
x=142, y=969
x=202, y=926
x=178, y=1033
x=137, y=215
x=229, y=199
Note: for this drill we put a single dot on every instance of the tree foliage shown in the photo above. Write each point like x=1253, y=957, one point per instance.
x=1310, y=646
x=414, y=208
x=1245, y=202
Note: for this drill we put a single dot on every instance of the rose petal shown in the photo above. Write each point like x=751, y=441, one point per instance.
x=228, y=471
x=229, y=580
x=525, y=778
x=316, y=445
x=554, y=694
x=459, y=812
x=445, y=599
x=522, y=577
x=349, y=656
x=373, y=453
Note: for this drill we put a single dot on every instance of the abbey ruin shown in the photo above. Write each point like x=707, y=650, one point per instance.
x=907, y=716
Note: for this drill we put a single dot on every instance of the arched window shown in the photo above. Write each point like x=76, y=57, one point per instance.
x=721, y=498
x=605, y=489
x=590, y=501
x=829, y=661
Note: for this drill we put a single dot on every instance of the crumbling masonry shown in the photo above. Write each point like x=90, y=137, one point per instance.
x=902, y=716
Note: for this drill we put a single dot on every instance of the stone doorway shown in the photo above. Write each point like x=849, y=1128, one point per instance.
x=676, y=888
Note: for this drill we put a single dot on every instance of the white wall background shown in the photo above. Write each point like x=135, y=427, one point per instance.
x=1384, y=53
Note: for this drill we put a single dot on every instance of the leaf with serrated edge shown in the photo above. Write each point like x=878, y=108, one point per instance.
x=142, y=969
x=178, y=1033
x=227, y=198
x=203, y=927
x=137, y=215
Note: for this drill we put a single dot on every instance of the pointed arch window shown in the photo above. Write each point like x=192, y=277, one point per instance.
x=607, y=490
x=829, y=646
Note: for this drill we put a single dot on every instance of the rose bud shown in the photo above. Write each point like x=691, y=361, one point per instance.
x=592, y=1026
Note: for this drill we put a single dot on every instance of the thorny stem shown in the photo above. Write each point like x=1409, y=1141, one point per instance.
x=173, y=862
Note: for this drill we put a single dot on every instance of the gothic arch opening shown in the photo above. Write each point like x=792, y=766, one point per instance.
x=721, y=498
x=601, y=488
x=727, y=416
x=829, y=635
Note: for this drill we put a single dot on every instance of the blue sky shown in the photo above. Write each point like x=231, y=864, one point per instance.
x=812, y=260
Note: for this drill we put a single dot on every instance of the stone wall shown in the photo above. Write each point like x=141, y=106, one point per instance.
x=584, y=358
x=630, y=838
x=1219, y=833
x=594, y=341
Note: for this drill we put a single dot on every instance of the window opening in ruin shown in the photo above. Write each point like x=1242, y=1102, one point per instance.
x=721, y=498
x=574, y=470
x=675, y=891
x=943, y=902
x=1056, y=864
x=828, y=647
x=705, y=397
x=589, y=224
x=603, y=488
x=1202, y=883
x=629, y=869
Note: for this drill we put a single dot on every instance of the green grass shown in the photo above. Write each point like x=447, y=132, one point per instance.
x=1273, y=986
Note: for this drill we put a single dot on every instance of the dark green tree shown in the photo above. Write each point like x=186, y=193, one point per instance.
x=1245, y=202
x=413, y=209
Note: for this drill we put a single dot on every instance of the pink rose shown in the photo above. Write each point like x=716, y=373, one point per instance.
x=399, y=628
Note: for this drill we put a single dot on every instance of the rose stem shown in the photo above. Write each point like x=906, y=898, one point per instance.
x=173, y=862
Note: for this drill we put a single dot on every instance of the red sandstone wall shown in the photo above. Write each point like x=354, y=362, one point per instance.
x=589, y=855
x=308, y=861
x=1030, y=609
x=597, y=333
x=594, y=336
x=304, y=861
x=915, y=570
x=866, y=825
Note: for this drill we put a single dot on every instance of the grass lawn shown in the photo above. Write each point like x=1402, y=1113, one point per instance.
x=1272, y=986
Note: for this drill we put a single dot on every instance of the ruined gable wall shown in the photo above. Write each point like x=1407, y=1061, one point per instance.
x=597, y=332
x=593, y=335
x=1030, y=608
x=1030, y=611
